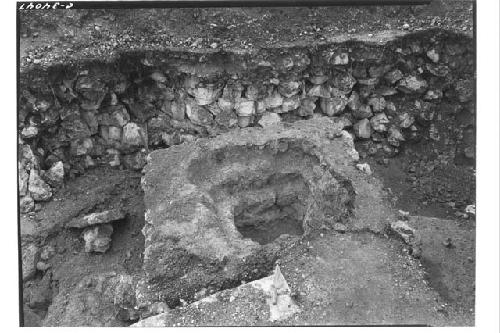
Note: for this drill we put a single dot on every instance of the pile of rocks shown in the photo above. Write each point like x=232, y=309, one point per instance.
x=385, y=93
x=35, y=184
x=97, y=228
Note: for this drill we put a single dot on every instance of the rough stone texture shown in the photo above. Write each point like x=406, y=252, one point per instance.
x=96, y=300
x=55, y=175
x=38, y=189
x=409, y=235
x=29, y=258
x=106, y=216
x=199, y=196
x=269, y=119
x=88, y=111
x=26, y=204
x=273, y=291
x=98, y=238
x=362, y=129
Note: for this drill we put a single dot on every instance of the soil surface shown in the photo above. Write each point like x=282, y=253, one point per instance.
x=48, y=37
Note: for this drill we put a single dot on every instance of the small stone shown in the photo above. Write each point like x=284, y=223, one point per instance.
x=29, y=255
x=42, y=266
x=433, y=55
x=363, y=112
x=55, y=175
x=103, y=217
x=409, y=236
x=158, y=77
x=318, y=79
x=98, y=238
x=47, y=252
x=377, y=104
x=403, y=215
x=38, y=189
x=245, y=108
x=26, y=204
x=379, y=122
x=133, y=135
x=269, y=119
x=433, y=94
x=395, y=136
x=307, y=106
x=362, y=129
x=225, y=105
x=340, y=228
x=273, y=101
x=29, y=132
x=465, y=90
x=244, y=121
x=177, y=109
x=319, y=91
x=412, y=84
x=341, y=59
x=333, y=106
x=289, y=89
x=406, y=120
x=354, y=103
x=364, y=167
x=289, y=104
x=206, y=95
x=470, y=209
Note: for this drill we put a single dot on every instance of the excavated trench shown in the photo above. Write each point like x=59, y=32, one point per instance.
x=264, y=190
x=387, y=90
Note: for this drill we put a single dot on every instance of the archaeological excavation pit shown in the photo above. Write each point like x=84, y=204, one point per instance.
x=278, y=207
x=242, y=151
x=233, y=201
x=264, y=190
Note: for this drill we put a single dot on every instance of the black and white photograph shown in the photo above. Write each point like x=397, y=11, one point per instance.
x=252, y=163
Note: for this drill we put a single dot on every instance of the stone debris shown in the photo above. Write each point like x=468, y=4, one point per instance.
x=29, y=132
x=103, y=217
x=269, y=119
x=339, y=227
x=470, y=209
x=433, y=55
x=98, y=238
x=409, y=235
x=395, y=136
x=362, y=129
x=333, y=106
x=406, y=120
x=412, y=84
x=206, y=95
x=362, y=112
x=133, y=135
x=364, y=167
x=379, y=122
x=26, y=204
x=161, y=320
x=38, y=189
x=29, y=253
x=55, y=175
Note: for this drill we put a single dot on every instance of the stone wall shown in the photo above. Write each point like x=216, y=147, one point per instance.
x=386, y=89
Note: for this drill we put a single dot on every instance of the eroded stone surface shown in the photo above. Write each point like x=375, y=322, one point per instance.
x=216, y=209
